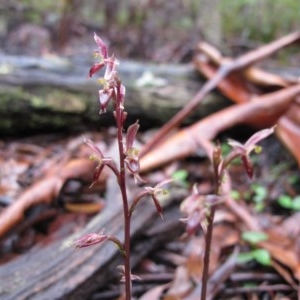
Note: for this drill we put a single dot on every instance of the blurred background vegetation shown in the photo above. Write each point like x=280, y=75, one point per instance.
x=156, y=30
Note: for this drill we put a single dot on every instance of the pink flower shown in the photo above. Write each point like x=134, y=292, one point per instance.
x=101, y=160
x=131, y=135
x=197, y=207
x=104, y=97
x=244, y=150
x=112, y=87
x=111, y=68
x=101, y=53
x=132, y=154
x=155, y=192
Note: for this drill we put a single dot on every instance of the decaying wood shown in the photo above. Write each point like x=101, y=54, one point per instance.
x=289, y=132
x=261, y=112
x=55, y=94
x=230, y=66
x=58, y=271
x=241, y=91
x=254, y=109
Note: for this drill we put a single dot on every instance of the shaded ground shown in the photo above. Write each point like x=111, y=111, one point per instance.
x=175, y=263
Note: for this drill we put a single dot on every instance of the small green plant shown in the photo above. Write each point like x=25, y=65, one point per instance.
x=259, y=197
x=200, y=209
x=289, y=202
x=257, y=194
x=235, y=195
x=114, y=91
x=181, y=176
x=260, y=255
x=254, y=237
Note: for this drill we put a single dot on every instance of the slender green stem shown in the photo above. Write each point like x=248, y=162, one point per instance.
x=122, y=184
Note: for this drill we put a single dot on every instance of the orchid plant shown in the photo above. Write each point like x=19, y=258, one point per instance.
x=114, y=91
x=200, y=209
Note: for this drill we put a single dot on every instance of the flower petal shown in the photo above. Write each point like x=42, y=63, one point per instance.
x=95, y=68
x=102, y=46
x=258, y=136
x=236, y=145
x=248, y=165
x=157, y=205
x=104, y=97
x=131, y=135
x=97, y=174
x=95, y=149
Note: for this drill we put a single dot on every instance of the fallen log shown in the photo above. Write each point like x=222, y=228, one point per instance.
x=55, y=94
x=57, y=271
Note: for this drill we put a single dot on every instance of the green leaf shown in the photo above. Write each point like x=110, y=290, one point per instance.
x=296, y=203
x=235, y=195
x=225, y=149
x=180, y=175
x=249, y=285
x=293, y=179
x=262, y=256
x=245, y=257
x=261, y=193
x=285, y=201
x=259, y=207
x=254, y=237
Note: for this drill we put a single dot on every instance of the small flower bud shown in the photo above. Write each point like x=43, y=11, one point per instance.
x=89, y=240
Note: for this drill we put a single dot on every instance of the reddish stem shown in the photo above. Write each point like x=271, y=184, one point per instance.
x=209, y=232
x=122, y=184
x=206, y=260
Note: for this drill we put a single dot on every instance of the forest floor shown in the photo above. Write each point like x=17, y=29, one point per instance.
x=172, y=271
